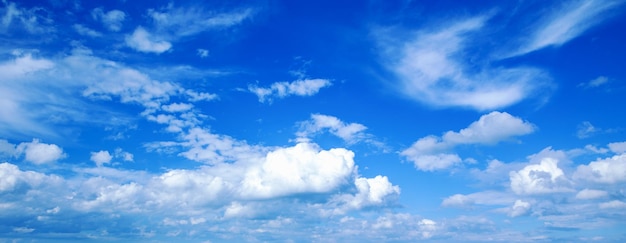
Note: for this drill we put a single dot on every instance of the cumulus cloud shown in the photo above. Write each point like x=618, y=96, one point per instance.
x=519, y=208
x=40, y=153
x=607, y=170
x=430, y=68
x=143, y=41
x=567, y=23
x=101, y=157
x=350, y=133
x=104, y=157
x=11, y=178
x=617, y=147
x=431, y=152
x=111, y=20
x=304, y=87
x=545, y=177
x=370, y=192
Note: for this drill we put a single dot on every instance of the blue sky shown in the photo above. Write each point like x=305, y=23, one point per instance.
x=320, y=121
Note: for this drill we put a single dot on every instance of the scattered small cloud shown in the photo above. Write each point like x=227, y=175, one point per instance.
x=112, y=20
x=202, y=53
x=304, y=87
x=594, y=83
x=143, y=41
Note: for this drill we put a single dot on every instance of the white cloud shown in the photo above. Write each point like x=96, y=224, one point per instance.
x=618, y=147
x=40, y=153
x=375, y=191
x=431, y=69
x=181, y=22
x=567, y=23
x=111, y=20
x=478, y=198
x=304, y=87
x=200, y=96
x=597, y=82
x=104, y=157
x=11, y=178
x=519, y=208
x=350, y=133
x=143, y=41
x=101, y=157
x=177, y=107
x=545, y=177
x=431, y=153
x=6, y=149
x=586, y=129
x=22, y=65
x=609, y=170
x=31, y=20
x=302, y=168
x=615, y=204
x=82, y=30
x=587, y=194
x=202, y=53
x=490, y=129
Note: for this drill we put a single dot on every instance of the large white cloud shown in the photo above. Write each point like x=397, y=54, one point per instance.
x=608, y=170
x=432, y=153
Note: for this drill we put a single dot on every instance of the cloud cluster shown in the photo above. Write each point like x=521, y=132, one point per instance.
x=433, y=153
x=35, y=152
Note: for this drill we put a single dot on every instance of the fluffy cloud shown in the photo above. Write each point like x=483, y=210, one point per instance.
x=111, y=20
x=431, y=69
x=30, y=20
x=619, y=147
x=431, y=153
x=101, y=157
x=177, y=107
x=351, y=133
x=519, y=208
x=11, y=178
x=82, y=30
x=545, y=177
x=104, y=157
x=302, y=168
x=370, y=192
x=40, y=153
x=143, y=41
x=305, y=87
x=608, y=170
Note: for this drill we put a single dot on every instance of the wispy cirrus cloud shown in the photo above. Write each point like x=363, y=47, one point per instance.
x=430, y=67
x=567, y=22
